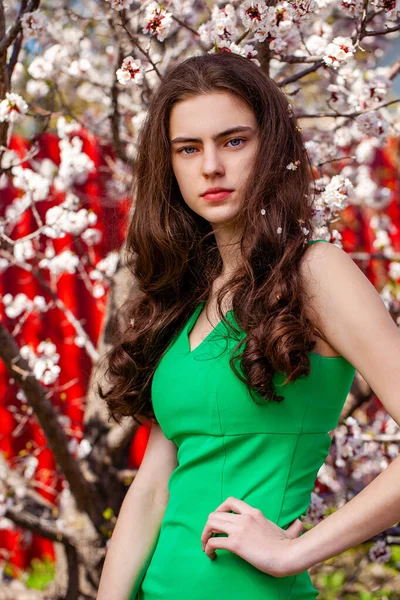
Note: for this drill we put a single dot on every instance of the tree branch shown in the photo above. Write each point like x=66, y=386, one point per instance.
x=12, y=33
x=48, y=530
x=84, y=492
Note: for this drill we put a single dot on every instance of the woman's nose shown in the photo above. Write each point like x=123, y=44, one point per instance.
x=212, y=163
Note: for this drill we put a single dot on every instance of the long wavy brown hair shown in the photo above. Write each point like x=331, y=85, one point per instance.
x=172, y=253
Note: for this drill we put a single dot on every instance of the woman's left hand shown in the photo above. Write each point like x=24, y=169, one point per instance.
x=251, y=536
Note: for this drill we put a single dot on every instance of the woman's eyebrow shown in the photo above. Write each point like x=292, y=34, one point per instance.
x=215, y=137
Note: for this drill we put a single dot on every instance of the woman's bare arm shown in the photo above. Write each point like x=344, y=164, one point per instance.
x=138, y=524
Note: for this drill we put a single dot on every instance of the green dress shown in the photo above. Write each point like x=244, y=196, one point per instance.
x=227, y=445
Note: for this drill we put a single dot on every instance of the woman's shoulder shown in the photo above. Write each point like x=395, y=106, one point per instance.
x=322, y=261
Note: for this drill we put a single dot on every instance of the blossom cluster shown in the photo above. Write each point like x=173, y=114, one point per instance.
x=15, y=306
x=43, y=361
x=12, y=108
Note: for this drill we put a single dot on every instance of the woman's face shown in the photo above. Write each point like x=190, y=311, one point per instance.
x=214, y=141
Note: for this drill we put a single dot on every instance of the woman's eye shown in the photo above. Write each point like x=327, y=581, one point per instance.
x=184, y=150
x=236, y=140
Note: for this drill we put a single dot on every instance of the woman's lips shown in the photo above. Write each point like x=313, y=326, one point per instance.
x=214, y=197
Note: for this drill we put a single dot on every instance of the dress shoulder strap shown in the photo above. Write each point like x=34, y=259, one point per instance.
x=313, y=241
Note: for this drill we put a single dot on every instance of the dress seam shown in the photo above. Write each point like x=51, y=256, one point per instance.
x=222, y=435
x=286, y=485
x=295, y=433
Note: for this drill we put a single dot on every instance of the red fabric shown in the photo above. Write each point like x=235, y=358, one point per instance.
x=139, y=445
x=53, y=325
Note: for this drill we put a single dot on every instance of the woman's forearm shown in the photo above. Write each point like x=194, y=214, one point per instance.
x=370, y=512
x=132, y=544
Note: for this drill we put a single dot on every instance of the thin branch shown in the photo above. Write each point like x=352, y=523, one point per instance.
x=185, y=26
x=351, y=115
x=15, y=53
x=394, y=70
x=138, y=46
x=115, y=116
x=300, y=74
x=357, y=37
x=293, y=59
x=12, y=33
x=39, y=526
x=382, y=31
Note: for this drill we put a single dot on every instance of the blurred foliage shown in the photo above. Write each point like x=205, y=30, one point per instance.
x=352, y=576
x=41, y=573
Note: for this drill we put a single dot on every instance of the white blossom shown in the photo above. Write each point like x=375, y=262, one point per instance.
x=316, y=509
x=131, y=72
x=382, y=242
x=352, y=8
x=380, y=552
x=316, y=44
x=327, y=476
x=370, y=88
x=17, y=208
x=23, y=250
x=348, y=441
x=337, y=192
x=374, y=124
x=9, y=159
x=339, y=96
x=92, y=236
x=366, y=150
x=105, y=267
x=120, y=4
x=84, y=448
x=394, y=271
x=80, y=68
x=14, y=306
x=293, y=166
x=157, y=21
x=41, y=68
x=33, y=23
x=339, y=51
x=75, y=165
x=252, y=13
x=98, y=291
x=67, y=127
x=43, y=361
x=12, y=108
x=65, y=262
x=37, y=88
x=34, y=184
x=60, y=220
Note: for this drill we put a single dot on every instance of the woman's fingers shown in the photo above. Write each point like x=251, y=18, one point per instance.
x=217, y=543
x=236, y=505
x=294, y=529
x=217, y=523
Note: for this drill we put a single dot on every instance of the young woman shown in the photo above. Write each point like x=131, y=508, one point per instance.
x=243, y=343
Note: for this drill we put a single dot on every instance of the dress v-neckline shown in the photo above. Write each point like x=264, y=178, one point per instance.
x=192, y=322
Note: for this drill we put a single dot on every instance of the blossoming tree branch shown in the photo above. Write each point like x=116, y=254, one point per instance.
x=85, y=72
